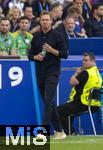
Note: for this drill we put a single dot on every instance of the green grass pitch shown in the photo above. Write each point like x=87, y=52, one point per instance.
x=78, y=143
x=69, y=143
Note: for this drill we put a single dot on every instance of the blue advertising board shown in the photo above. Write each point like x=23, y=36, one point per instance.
x=18, y=102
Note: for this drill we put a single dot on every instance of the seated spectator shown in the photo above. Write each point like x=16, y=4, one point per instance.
x=94, y=25
x=84, y=79
x=83, y=7
x=56, y=14
x=17, y=3
x=5, y=7
x=14, y=15
x=86, y=9
x=23, y=37
x=68, y=29
x=7, y=41
x=28, y=12
x=75, y=12
x=40, y=5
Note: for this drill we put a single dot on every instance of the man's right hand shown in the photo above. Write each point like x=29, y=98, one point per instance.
x=38, y=57
x=79, y=70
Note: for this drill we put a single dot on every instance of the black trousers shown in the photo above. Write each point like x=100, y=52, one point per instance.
x=70, y=108
x=47, y=86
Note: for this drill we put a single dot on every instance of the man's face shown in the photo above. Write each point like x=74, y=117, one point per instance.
x=28, y=13
x=23, y=24
x=70, y=24
x=78, y=3
x=87, y=62
x=58, y=11
x=75, y=16
x=45, y=22
x=4, y=26
x=100, y=11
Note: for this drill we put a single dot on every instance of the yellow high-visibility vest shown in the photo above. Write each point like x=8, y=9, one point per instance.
x=94, y=80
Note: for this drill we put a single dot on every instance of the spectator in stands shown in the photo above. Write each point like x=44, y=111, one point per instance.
x=47, y=47
x=39, y=6
x=56, y=13
x=69, y=24
x=5, y=7
x=23, y=38
x=17, y=3
x=28, y=12
x=83, y=7
x=94, y=25
x=14, y=15
x=74, y=12
x=7, y=41
x=84, y=79
x=67, y=29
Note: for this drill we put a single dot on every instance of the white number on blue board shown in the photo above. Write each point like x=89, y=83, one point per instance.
x=16, y=75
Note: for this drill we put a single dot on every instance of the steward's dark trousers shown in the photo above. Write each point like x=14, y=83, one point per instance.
x=71, y=108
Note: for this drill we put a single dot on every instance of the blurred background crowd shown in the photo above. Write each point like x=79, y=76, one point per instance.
x=76, y=18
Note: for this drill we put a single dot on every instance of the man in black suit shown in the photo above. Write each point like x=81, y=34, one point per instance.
x=47, y=48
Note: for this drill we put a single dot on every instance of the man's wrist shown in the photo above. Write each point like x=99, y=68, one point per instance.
x=55, y=52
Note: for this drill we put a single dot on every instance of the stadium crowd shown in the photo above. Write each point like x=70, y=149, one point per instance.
x=72, y=18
